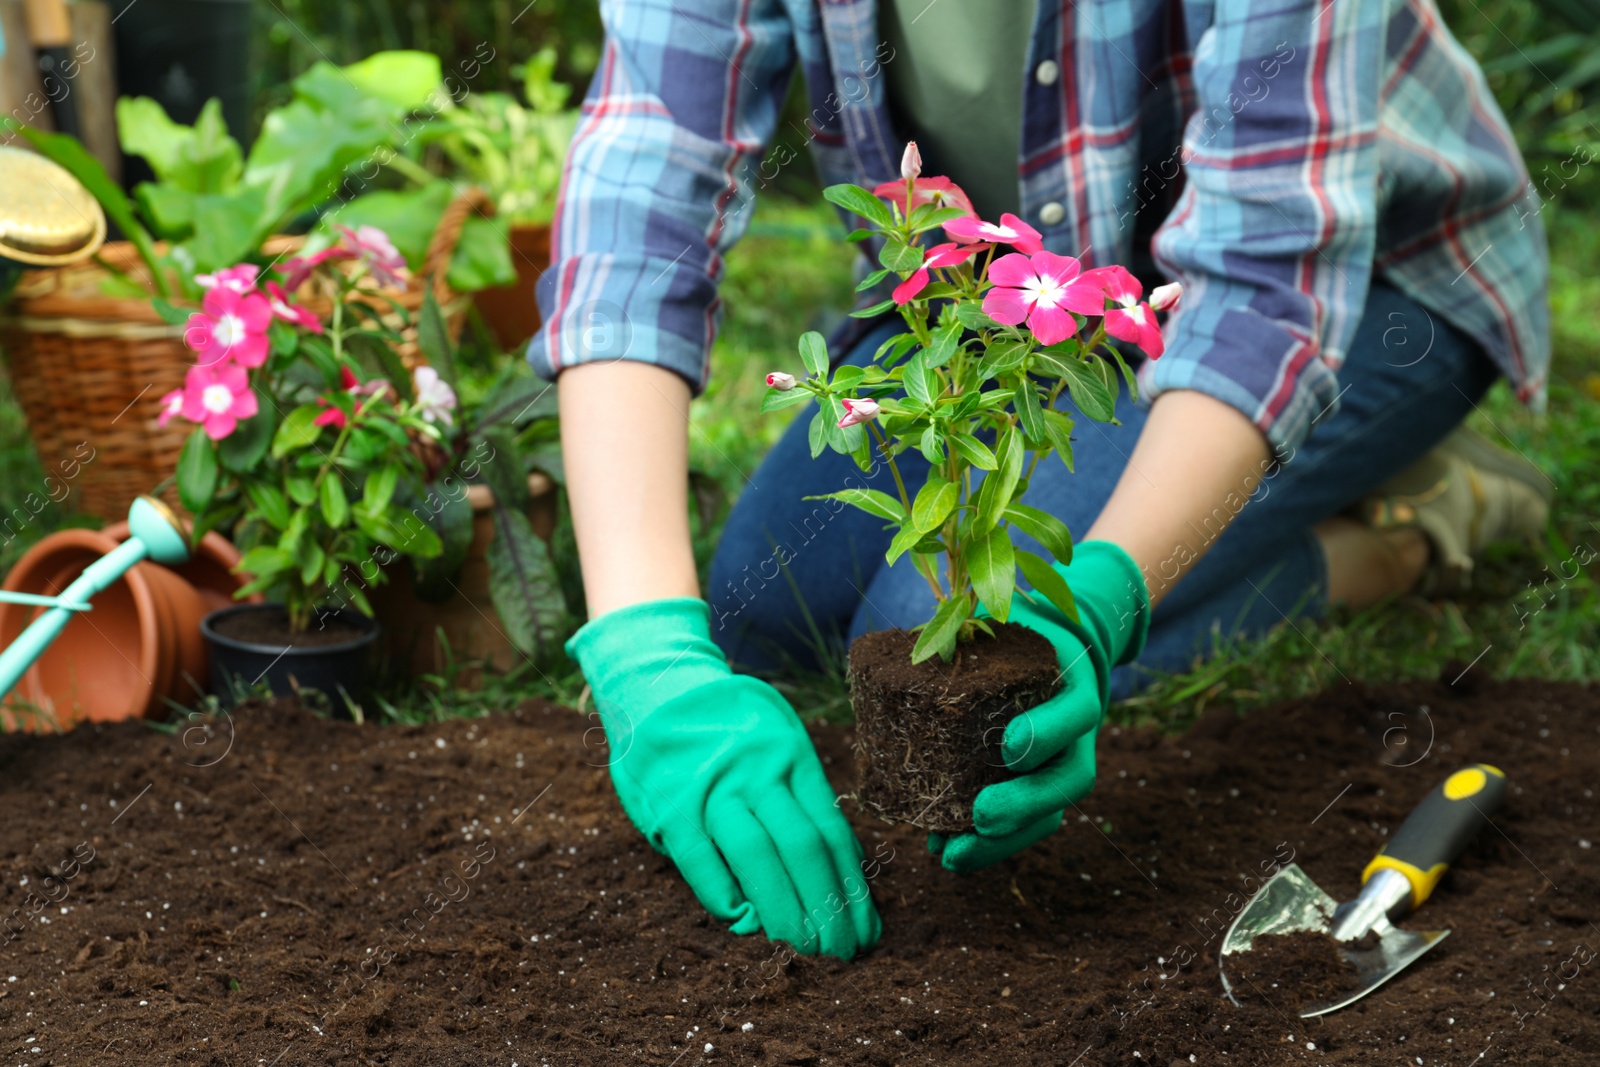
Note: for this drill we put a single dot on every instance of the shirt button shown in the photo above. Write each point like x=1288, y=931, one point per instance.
x=1052, y=213
x=1047, y=72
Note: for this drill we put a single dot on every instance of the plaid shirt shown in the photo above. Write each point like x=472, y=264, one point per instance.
x=1273, y=154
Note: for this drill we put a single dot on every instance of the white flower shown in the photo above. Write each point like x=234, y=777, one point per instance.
x=911, y=162
x=781, y=381
x=1165, y=297
x=435, y=399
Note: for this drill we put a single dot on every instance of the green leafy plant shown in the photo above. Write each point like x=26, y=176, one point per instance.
x=515, y=151
x=307, y=434
x=991, y=343
x=212, y=205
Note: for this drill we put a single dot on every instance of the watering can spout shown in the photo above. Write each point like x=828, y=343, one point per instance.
x=155, y=535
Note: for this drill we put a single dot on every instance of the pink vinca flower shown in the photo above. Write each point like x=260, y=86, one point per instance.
x=282, y=308
x=241, y=278
x=230, y=326
x=857, y=412
x=911, y=162
x=940, y=192
x=334, y=416
x=1130, y=320
x=1041, y=290
x=296, y=269
x=171, y=407
x=372, y=246
x=780, y=381
x=217, y=396
x=1010, y=230
x=1166, y=297
x=945, y=255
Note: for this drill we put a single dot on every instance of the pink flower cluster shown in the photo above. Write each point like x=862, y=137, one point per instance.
x=229, y=332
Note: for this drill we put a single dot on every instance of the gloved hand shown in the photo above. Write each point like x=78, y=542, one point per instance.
x=718, y=773
x=1055, y=741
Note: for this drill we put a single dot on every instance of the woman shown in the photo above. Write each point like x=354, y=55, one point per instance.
x=1342, y=202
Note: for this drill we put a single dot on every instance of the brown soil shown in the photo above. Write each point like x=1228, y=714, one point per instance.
x=269, y=627
x=928, y=734
x=1296, y=971
x=311, y=892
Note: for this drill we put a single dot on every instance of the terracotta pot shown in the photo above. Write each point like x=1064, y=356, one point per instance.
x=468, y=618
x=138, y=648
x=209, y=570
x=511, y=312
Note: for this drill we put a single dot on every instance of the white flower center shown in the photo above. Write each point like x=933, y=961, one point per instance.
x=216, y=399
x=228, y=331
x=1045, y=292
x=1135, y=312
x=1003, y=233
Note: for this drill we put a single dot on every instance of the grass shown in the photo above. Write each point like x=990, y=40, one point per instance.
x=792, y=273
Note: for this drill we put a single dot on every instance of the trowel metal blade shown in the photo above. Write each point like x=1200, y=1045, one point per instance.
x=1290, y=902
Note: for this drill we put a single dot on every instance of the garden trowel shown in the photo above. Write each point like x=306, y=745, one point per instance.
x=1397, y=881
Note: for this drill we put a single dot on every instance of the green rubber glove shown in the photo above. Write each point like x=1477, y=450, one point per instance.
x=1055, y=741
x=716, y=770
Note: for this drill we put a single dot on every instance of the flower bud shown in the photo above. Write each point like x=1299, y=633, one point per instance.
x=911, y=162
x=1165, y=297
x=780, y=381
x=857, y=412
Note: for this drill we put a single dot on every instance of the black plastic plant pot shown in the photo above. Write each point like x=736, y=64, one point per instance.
x=332, y=657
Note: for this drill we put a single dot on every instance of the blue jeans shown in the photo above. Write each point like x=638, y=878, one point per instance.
x=793, y=580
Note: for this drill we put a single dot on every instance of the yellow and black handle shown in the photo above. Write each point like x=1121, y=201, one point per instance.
x=1440, y=828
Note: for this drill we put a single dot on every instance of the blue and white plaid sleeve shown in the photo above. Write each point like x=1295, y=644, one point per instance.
x=1275, y=232
x=657, y=182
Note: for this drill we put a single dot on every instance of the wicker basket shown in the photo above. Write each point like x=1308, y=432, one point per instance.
x=88, y=368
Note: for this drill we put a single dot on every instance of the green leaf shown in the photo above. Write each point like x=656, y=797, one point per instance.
x=482, y=259
x=992, y=565
x=1047, y=581
x=872, y=312
x=1058, y=429
x=296, y=431
x=433, y=338
x=974, y=451
x=314, y=559
x=899, y=256
x=972, y=317
x=778, y=399
x=172, y=315
x=447, y=511
x=932, y=445
x=335, y=507
x=197, y=471
x=859, y=201
x=246, y=446
x=228, y=227
x=294, y=530
x=905, y=539
x=1003, y=357
x=945, y=342
x=302, y=490
x=1092, y=383
x=406, y=79
x=1029, y=412
x=524, y=584
x=872, y=279
x=939, y=636
x=871, y=501
x=933, y=504
x=1044, y=528
x=927, y=217
x=995, y=493
x=519, y=400
x=814, y=353
x=379, y=488
x=194, y=159
x=266, y=561
x=922, y=384
x=379, y=357
x=268, y=503
x=817, y=433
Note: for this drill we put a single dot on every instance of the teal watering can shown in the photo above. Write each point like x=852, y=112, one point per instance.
x=154, y=534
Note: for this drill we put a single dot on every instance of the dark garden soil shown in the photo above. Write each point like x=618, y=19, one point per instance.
x=313, y=892
x=928, y=734
x=1295, y=972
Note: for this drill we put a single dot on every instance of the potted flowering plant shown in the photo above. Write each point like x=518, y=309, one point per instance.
x=993, y=338
x=304, y=433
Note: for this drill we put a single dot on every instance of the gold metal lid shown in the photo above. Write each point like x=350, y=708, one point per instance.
x=47, y=218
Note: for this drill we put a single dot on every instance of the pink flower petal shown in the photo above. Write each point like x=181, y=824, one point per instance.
x=1054, y=268
x=1137, y=326
x=1084, y=297
x=331, y=417
x=1013, y=268
x=967, y=229
x=1005, y=306
x=1027, y=240
x=1119, y=285
x=908, y=289
x=1050, y=325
